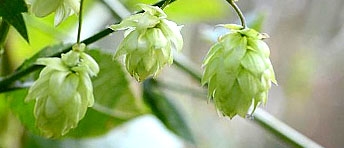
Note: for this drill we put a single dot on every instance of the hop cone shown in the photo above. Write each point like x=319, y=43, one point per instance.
x=149, y=42
x=63, y=92
x=238, y=71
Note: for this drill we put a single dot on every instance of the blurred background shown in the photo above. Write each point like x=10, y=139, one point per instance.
x=306, y=43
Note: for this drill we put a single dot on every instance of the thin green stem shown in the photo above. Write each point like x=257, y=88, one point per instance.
x=80, y=21
x=238, y=11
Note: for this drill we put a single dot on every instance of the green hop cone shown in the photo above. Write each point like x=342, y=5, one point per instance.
x=149, y=43
x=63, y=92
x=62, y=8
x=238, y=71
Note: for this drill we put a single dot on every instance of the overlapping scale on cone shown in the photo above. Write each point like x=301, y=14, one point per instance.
x=63, y=92
x=238, y=71
x=62, y=8
x=149, y=43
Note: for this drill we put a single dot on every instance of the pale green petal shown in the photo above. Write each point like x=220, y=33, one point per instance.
x=52, y=110
x=66, y=84
x=249, y=83
x=166, y=53
x=156, y=38
x=86, y=89
x=153, y=10
x=259, y=46
x=242, y=101
x=212, y=52
x=147, y=21
x=53, y=63
x=231, y=40
x=251, y=33
x=172, y=33
x=91, y=63
x=210, y=70
x=128, y=45
x=149, y=60
x=212, y=86
x=39, y=88
x=74, y=5
x=71, y=58
x=42, y=8
x=231, y=26
x=142, y=44
x=128, y=22
x=233, y=58
x=254, y=63
x=61, y=14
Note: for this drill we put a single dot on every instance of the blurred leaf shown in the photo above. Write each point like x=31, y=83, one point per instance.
x=300, y=75
x=94, y=124
x=11, y=11
x=24, y=111
x=165, y=110
x=41, y=34
x=3, y=106
x=187, y=10
x=196, y=10
x=111, y=87
x=4, y=121
x=114, y=101
x=255, y=21
x=45, y=52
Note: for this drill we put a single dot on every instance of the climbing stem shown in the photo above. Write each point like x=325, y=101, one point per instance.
x=80, y=21
x=166, y=3
x=238, y=11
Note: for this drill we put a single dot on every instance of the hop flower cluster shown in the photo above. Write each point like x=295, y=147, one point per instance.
x=238, y=71
x=62, y=8
x=63, y=92
x=149, y=42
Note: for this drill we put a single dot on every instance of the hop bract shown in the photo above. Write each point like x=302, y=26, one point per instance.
x=62, y=92
x=238, y=71
x=149, y=42
x=62, y=8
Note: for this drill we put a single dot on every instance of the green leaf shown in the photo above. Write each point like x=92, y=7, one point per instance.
x=11, y=11
x=24, y=111
x=115, y=103
x=111, y=86
x=165, y=110
x=94, y=124
x=188, y=10
x=256, y=21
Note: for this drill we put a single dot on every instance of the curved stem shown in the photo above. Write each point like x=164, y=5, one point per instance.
x=238, y=11
x=80, y=21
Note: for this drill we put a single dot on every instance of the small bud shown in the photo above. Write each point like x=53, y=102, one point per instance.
x=149, y=42
x=63, y=92
x=238, y=71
